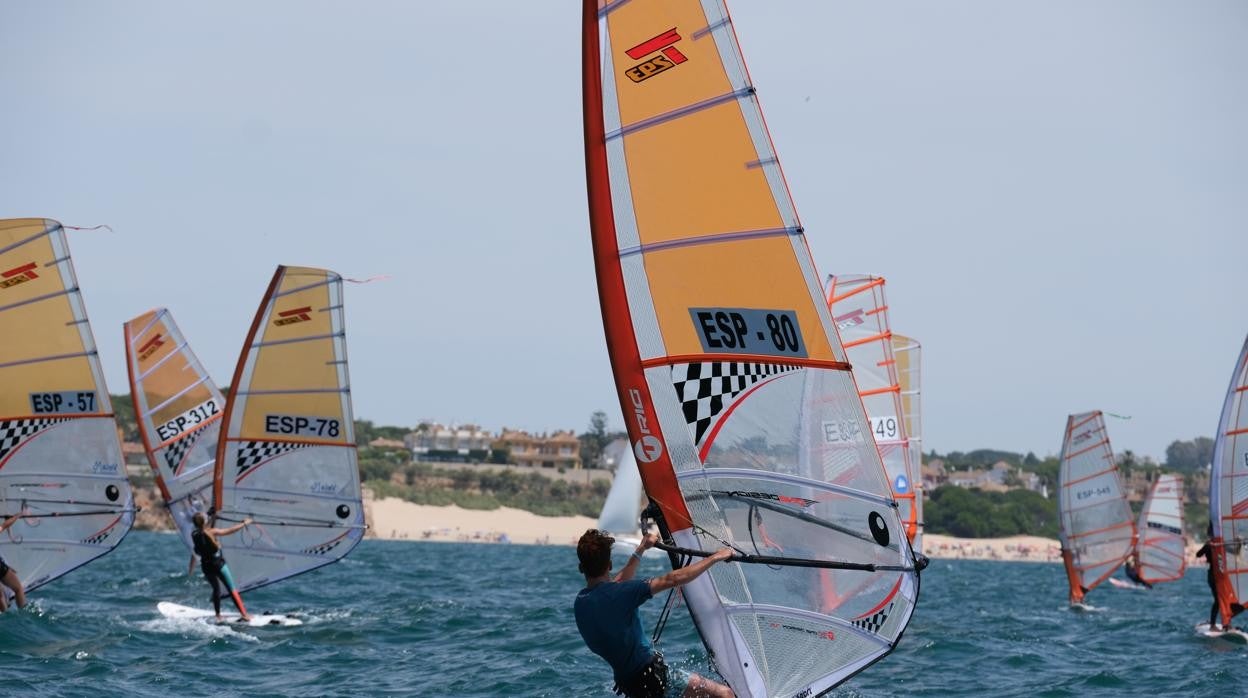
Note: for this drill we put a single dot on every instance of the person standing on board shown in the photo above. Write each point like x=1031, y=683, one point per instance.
x=8, y=576
x=1206, y=551
x=1132, y=569
x=607, y=617
x=212, y=562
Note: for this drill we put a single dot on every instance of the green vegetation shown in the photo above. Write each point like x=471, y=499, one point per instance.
x=974, y=513
x=484, y=488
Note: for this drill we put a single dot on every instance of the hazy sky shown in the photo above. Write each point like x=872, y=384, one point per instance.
x=1056, y=191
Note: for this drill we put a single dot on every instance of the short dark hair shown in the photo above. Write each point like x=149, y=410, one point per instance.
x=594, y=552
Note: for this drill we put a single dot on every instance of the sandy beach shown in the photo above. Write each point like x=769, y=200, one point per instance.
x=397, y=519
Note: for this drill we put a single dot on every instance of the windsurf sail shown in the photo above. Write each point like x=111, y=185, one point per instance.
x=621, y=512
x=1095, y=522
x=860, y=311
x=60, y=456
x=737, y=396
x=287, y=459
x=1228, y=494
x=178, y=408
x=907, y=351
x=1161, y=546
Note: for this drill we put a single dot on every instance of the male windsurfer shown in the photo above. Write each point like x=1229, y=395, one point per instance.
x=1206, y=551
x=212, y=561
x=8, y=576
x=1132, y=568
x=606, y=614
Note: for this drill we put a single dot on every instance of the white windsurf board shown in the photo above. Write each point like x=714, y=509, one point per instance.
x=169, y=609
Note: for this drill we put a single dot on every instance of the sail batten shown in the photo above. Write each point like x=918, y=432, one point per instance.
x=287, y=459
x=738, y=398
x=58, y=432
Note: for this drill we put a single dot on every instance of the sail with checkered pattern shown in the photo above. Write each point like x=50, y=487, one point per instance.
x=907, y=352
x=740, y=405
x=178, y=408
x=860, y=312
x=1161, y=546
x=1228, y=492
x=1095, y=522
x=287, y=459
x=61, y=466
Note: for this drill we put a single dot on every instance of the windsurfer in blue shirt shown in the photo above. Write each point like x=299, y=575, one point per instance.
x=212, y=562
x=8, y=576
x=606, y=614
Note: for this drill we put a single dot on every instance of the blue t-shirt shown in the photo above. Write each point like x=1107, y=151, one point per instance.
x=609, y=622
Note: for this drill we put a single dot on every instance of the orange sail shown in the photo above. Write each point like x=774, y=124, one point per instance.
x=742, y=411
x=1228, y=495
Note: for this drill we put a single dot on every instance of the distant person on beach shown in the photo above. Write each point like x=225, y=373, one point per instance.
x=8, y=576
x=1132, y=568
x=606, y=614
x=212, y=562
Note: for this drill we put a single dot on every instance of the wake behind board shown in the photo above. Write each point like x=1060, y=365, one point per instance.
x=1085, y=608
x=1126, y=584
x=1234, y=635
x=174, y=610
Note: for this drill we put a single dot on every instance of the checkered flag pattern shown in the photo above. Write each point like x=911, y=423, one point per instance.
x=14, y=431
x=253, y=453
x=705, y=389
x=875, y=621
x=178, y=449
x=323, y=547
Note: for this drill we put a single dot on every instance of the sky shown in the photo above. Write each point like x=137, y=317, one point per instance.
x=1056, y=191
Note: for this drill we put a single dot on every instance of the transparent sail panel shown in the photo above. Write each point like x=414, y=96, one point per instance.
x=1229, y=496
x=1095, y=521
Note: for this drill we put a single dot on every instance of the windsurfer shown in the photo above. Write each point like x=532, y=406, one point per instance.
x=607, y=617
x=1206, y=551
x=1132, y=568
x=8, y=576
x=212, y=561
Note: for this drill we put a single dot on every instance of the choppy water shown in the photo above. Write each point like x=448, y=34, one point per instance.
x=431, y=619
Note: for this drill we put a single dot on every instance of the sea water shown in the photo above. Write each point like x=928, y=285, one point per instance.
x=442, y=619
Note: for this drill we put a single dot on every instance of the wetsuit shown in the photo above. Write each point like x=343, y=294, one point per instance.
x=4, y=567
x=606, y=615
x=212, y=563
x=1206, y=551
x=1133, y=573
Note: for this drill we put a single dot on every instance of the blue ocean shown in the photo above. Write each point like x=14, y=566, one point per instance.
x=441, y=619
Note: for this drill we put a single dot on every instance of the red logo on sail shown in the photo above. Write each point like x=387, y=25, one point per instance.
x=290, y=317
x=669, y=56
x=150, y=346
x=18, y=275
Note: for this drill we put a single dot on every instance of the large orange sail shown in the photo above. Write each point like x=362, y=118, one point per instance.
x=739, y=403
x=1228, y=494
x=60, y=455
x=287, y=456
x=178, y=408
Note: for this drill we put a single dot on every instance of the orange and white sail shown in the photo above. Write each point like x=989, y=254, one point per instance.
x=1161, y=545
x=740, y=405
x=178, y=408
x=860, y=311
x=1228, y=493
x=287, y=459
x=907, y=353
x=1095, y=522
x=60, y=455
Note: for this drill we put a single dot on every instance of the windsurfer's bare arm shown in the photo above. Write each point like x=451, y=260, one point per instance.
x=232, y=529
x=684, y=575
x=9, y=522
x=630, y=569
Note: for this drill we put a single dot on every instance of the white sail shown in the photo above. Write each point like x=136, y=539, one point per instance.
x=621, y=511
x=1162, y=546
x=907, y=352
x=60, y=455
x=287, y=459
x=1228, y=496
x=1095, y=522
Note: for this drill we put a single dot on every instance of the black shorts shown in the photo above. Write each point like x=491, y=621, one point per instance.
x=650, y=682
x=4, y=567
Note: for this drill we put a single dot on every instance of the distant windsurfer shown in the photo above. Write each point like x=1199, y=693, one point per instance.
x=1132, y=569
x=212, y=561
x=607, y=617
x=8, y=576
